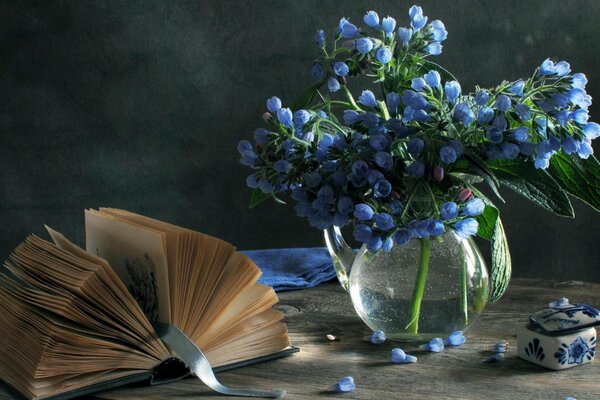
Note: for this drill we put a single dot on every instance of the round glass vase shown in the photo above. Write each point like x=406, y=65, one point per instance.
x=427, y=288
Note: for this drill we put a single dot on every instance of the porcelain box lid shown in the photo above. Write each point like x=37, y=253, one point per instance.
x=563, y=317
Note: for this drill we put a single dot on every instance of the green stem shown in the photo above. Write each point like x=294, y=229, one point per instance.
x=350, y=98
x=417, y=297
x=463, y=288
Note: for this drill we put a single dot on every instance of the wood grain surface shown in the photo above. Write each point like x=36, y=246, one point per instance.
x=457, y=373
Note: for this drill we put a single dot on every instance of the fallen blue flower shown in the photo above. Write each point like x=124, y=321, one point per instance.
x=435, y=345
x=400, y=357
x=500, y=346
x=455, y=339
x=377, y=337
x=495, y=358
x=346, y=384
x=560, y=303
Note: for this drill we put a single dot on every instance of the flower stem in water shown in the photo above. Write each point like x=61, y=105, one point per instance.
x=417, y=297
x=463, y=288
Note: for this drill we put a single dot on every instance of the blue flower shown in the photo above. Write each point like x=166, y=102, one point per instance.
x=370, y=119
x=252, y=182
x=502, y=102
x=282, y=166
x=388, y=24
x=363, y=212
x=393, y=101
x=402, y=236
x=580, y=116
x=500, y=346
x=494, y=135
x=435, y=345
x=482, y=97
x=384, y=160
x=416, y=170
x=524, y=111
x=382, y=188
x=457, y=146
x=371, y=19
x=320, y=37
x=317, y=71
x=351, y=117
x=340, y=68
x=395, y=207
x=360, y=168
x=261, y=136
x=346, y=384
x=326, y=194
x=485, y=115
x=377, y=337
x=435, y=228
x=517, y=88
x=438, y=31
x=415, y=100
x=347, y=29
x=591, y=130
x=585, y=149
x=385, y=222
x=447, y=155
x=374, y=176
x=387, y=245
x=417, y=19
x=560, y=303
x=284, y=115
x=578, y=81
x=509, y=150
x=455, y=339
x=364, y=45
x=384, y=55
x=375, y=243
x=367, y=98
x=418, y=84
x=415, y=146
x=404, y=34
x=449, y=210
x=362, y=233
x=379, y=142
x=398, y=356
x=301, y=117
x=452, y=90
x=466, y=228
x=312, y=179
x=500, y=122
x=434, y=48
x=273, y=104
x=547, y=67
x=473, y=208
x=266, y=186
x=464, y=114
x=562, y=68
x=433, y=79
x=333, y=85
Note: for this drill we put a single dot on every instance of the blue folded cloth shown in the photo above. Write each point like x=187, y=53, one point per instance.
x=291, y=269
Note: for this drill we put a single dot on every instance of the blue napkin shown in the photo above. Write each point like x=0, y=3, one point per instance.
x=291, y=269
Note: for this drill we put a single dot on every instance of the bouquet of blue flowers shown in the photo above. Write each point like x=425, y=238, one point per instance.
x=403, y=161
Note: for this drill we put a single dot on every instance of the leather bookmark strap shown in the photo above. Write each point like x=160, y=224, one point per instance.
x=189, y=353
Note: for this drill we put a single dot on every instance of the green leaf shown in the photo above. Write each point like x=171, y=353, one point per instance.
x=580, y=178
x=444, y=73
x=478, y=167
x=304, y=100
x=487, y=222
x=258, y=196
x=534, y=184
x=501, y=263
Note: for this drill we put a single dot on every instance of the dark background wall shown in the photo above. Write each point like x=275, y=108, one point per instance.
x=140, y=104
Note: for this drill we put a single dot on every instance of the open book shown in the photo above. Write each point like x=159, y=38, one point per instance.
x=75, y=321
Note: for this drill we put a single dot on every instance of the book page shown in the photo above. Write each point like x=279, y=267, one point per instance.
x=138, y=256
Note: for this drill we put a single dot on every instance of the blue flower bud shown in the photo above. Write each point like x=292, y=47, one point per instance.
x=457, y=146
x=395, y=207
x=418, y=20
x=284, y=116
x=244, y=145
x=435, y=228
x=320, y=37
x=402, y=236
x=367, y=98
x=449, y=210
x=494, y=135
x=433, y=79
x=379, y=142
x=520, y=134
x=434, y=48
x=578, y=81
x=456, y=339
x=388, y=24
x=452, y=90
x=387, y=245
x=464, y=114
x=340, y=220
x=375, y=243
x=370, y=119
x=473, y=207
x=261, y=136
x=351, y=117
x=266, y=186
x=482, y=97
x=364, y=45
x=398, y=356
x=312, y=179
x=524, y=111
x=326, y=194
x=404, y=34
x=363, y=212
x=509, y=150
x=527, y=148
x=384, y=160
x=377, y=337
x=570, y=145
x=347, y=29
x=415, y=147
x=435, y=345
x=333, y=85
x=438, y=31
x=420, y=116
x=547, y=67
x=346, y=384
x=252, y=182
x=340, y=68
x=466, y=228
x=447, y=155
x=591, y=130
x=500, y=122
x=416, y=170
x=502, y=102
x=371, y=19
x=393, y=101
x=301, y=117
x=415, y=100
x=273, y=104
x=485, y=115
x=374, y=176
x=517, y=88
x=362, y=233
x=418, y=84
x=317, y=71
x=360, y=168
x=384, y=55
x=382, y=188
x=282, y=166
x=345, y=205
x=585, y=149
x=384, y=222
x=562, y=68
x=580, y=116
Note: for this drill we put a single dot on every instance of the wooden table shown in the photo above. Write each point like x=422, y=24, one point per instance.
x=456, y=373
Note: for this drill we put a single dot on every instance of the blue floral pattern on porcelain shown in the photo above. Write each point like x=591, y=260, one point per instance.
x=577, y=352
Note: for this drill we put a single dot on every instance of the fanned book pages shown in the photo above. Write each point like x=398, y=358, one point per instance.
x=76, y=322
